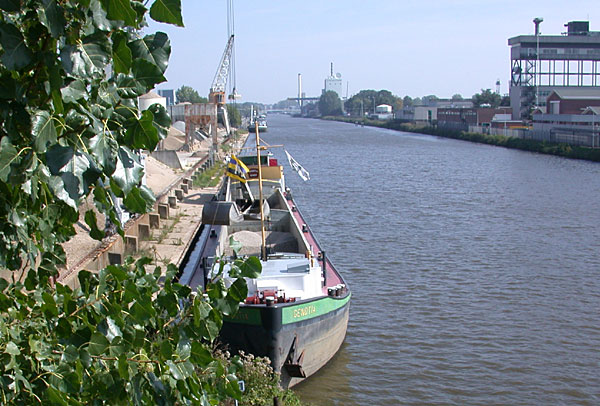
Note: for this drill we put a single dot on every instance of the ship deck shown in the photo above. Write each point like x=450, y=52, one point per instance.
x=332, y=278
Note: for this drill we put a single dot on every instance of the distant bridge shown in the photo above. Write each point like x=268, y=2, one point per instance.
x=303, y=99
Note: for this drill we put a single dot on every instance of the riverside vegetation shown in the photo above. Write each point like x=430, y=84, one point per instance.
x=543, y=147
x=70, y=75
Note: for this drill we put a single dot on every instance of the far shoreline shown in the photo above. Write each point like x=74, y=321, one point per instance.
x=542, y=147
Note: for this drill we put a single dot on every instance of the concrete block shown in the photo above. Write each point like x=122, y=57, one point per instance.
x=131, y=244
x=154, y=220
x=179, y=194
x=184, y=187
x=114, y=258
x=173, y=202
x=163, y=211
x=93, y=265
x=144, y=231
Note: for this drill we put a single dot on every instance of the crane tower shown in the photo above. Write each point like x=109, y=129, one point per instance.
x=217, y=89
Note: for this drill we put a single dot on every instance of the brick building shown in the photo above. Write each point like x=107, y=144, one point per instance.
x=572, y=100
x=461, y=119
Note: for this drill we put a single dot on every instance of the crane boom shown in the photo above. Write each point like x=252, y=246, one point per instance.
x=217, y=89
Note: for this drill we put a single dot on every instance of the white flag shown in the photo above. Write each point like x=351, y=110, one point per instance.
x=303, y=173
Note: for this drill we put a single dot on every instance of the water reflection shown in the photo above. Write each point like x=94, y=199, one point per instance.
x=331, y=384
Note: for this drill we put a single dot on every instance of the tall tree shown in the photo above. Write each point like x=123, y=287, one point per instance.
x=189, y=94
x=407, y=101
x=457, y=97
x=486, y=97
x=71, y=73
x=235, y=118
x=429, y=99
x=367, y=100
x=330, y=104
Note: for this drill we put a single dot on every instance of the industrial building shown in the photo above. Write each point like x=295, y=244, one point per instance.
x=541, y=64
x=572, y=117
x=169, y=95
x=334, y=83
x=463, y=119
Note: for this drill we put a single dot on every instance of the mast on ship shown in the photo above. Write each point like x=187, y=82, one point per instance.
x=260, y=194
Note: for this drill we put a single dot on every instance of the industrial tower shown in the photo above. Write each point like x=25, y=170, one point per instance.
x=543, y=63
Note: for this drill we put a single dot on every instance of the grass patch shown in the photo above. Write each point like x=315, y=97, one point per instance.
x=210, y=177
x=166, y=230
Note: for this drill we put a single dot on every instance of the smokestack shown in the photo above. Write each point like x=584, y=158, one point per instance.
x=300, y=89
x=331, y=69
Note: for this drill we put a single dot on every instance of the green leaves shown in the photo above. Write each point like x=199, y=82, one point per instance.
x=141, y=133
x=147, y=73
x=125, y=334
x=8, y=156
x=90, y=220
x=43, y=130
x=74, y=91
x=167, y=11
x=250, y=267
x=52, y=17
x=105, y=149
x=121, y=54
x=154, y=49
x=98, y=344
x=120, y=10
x=10, y=5
x=139, y=200
x=74, y=172
x=70, y=75
x=16, y=53
x=129, y=171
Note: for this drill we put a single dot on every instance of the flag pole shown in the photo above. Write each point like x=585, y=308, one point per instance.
x=260, y=194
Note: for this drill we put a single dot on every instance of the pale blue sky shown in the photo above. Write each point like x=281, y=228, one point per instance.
x=409, y=47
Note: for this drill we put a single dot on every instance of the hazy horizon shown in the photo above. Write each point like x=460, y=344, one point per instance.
x=410, y=48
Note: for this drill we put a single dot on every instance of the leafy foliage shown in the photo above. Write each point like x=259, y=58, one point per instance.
x=235, y=118
x=121, y=338
x=261, y=382
x=70, y=75
x=486, y=97
x=330, y=104
x=69, y=120
x=367, y=100
x=189, y=94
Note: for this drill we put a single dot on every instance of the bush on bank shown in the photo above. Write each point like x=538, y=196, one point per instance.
x=543, y=147
x=261, y=383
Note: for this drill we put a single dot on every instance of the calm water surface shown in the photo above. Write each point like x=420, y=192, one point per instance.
x=474, y=269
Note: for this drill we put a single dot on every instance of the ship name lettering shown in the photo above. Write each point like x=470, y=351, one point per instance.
x=304, y=311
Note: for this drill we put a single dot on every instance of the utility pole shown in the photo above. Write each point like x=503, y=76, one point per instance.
x=537, y=21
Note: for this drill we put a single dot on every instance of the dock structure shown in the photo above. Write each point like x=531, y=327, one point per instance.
x=164, y=234
x=541, y=64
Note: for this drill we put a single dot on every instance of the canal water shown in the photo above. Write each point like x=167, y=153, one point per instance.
x=475, y=269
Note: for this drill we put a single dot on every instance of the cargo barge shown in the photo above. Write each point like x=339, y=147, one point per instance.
x=297, y=310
